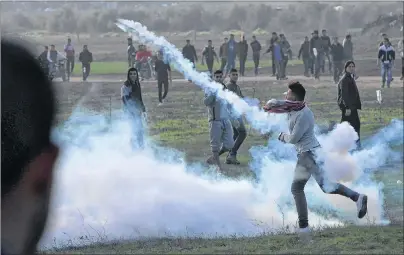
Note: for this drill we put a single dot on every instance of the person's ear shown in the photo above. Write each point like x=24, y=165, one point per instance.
x=40, y=170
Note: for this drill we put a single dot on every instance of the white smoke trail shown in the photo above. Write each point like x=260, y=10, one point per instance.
x=260, y=120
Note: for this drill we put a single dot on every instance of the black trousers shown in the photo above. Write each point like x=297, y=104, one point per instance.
x=209, y=63
x=353, y=120
x=273, y=65
x=87, y=66
x=160, y=84
x=70, y=65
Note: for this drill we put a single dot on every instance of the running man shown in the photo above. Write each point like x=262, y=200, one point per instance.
x=163, y=73
x=301, y=128
x=220, y=127
x=239, y=129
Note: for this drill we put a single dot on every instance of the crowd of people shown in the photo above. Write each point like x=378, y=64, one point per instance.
x=52, y=60
x=28, y=154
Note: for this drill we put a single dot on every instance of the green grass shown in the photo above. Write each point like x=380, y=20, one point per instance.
x=352, y=240
x=104, y=68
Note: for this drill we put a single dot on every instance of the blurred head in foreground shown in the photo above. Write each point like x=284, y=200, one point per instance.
x=27, y=153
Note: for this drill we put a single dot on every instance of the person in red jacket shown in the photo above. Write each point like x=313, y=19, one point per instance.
x=142, y=57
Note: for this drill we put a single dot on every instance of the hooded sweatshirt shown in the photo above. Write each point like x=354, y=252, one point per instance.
x=131, y=93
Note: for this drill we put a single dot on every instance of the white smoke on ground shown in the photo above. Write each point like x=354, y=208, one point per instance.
x=106, y=189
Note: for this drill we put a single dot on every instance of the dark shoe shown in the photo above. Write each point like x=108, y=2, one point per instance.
x=232, y=160
x=362, y=206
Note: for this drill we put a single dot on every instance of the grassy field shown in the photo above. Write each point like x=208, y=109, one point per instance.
x=105, y=68
x=182, y=124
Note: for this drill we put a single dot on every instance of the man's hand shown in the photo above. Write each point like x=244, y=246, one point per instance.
x=348, y=112
x=235, y=123
x=144, y=115
x=281, y=137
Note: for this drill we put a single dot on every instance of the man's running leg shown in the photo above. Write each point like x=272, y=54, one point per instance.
x=242, y=134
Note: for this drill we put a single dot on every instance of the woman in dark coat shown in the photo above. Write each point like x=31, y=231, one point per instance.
x=131, y=95
x=348, y=98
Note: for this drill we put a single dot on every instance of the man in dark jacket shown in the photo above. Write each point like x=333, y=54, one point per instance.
x=304, y=52
x=189, y=52
x=44, y=61
x=286, y=54
x=223, y=54
x=209, y=55
x=85, y=57
x=163, y=73
x=242, y=50
x=337, y=54
x=256, y=49
x=348, y=98
x=317, y=52
x=239, y=130
x=327, y=46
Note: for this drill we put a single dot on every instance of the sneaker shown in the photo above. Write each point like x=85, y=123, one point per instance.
x=232, y=160
x=304, y=235
x=362, y=206
x=160, y=104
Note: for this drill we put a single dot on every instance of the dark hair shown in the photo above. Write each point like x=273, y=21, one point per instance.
x=281, y=35
x=298, y=90
x=233, y=70
x=52, y=45
x=273, y=33
x=187, y=40
x=226, y=38
x=218, y=72
x=209, y=40
x=315, y=32
x=323, y=30
x=27, y=112
x=348, y=63
x=348, y=36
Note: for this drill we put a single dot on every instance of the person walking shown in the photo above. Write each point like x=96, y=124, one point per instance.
x=256, y=49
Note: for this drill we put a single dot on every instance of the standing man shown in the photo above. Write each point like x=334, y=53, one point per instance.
x=231, y=54
x=286, y=52
x=301, y=135
x=44, y=60
x=189, y=52
x=220, y=127
x=223, y=53
x=327, y=46
x=131, y=53
x=28, y=154
x=337, y=54
x=256, y=49
x=386, y=55
x=209, y=54
x=163, y=73
x=86, y=58
x=348, y=48
x=348, y=98
x=242, y=48
x=304, y=52
x=239, y=129
x=69, y=50
x=317, y=53
x=270, y=49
